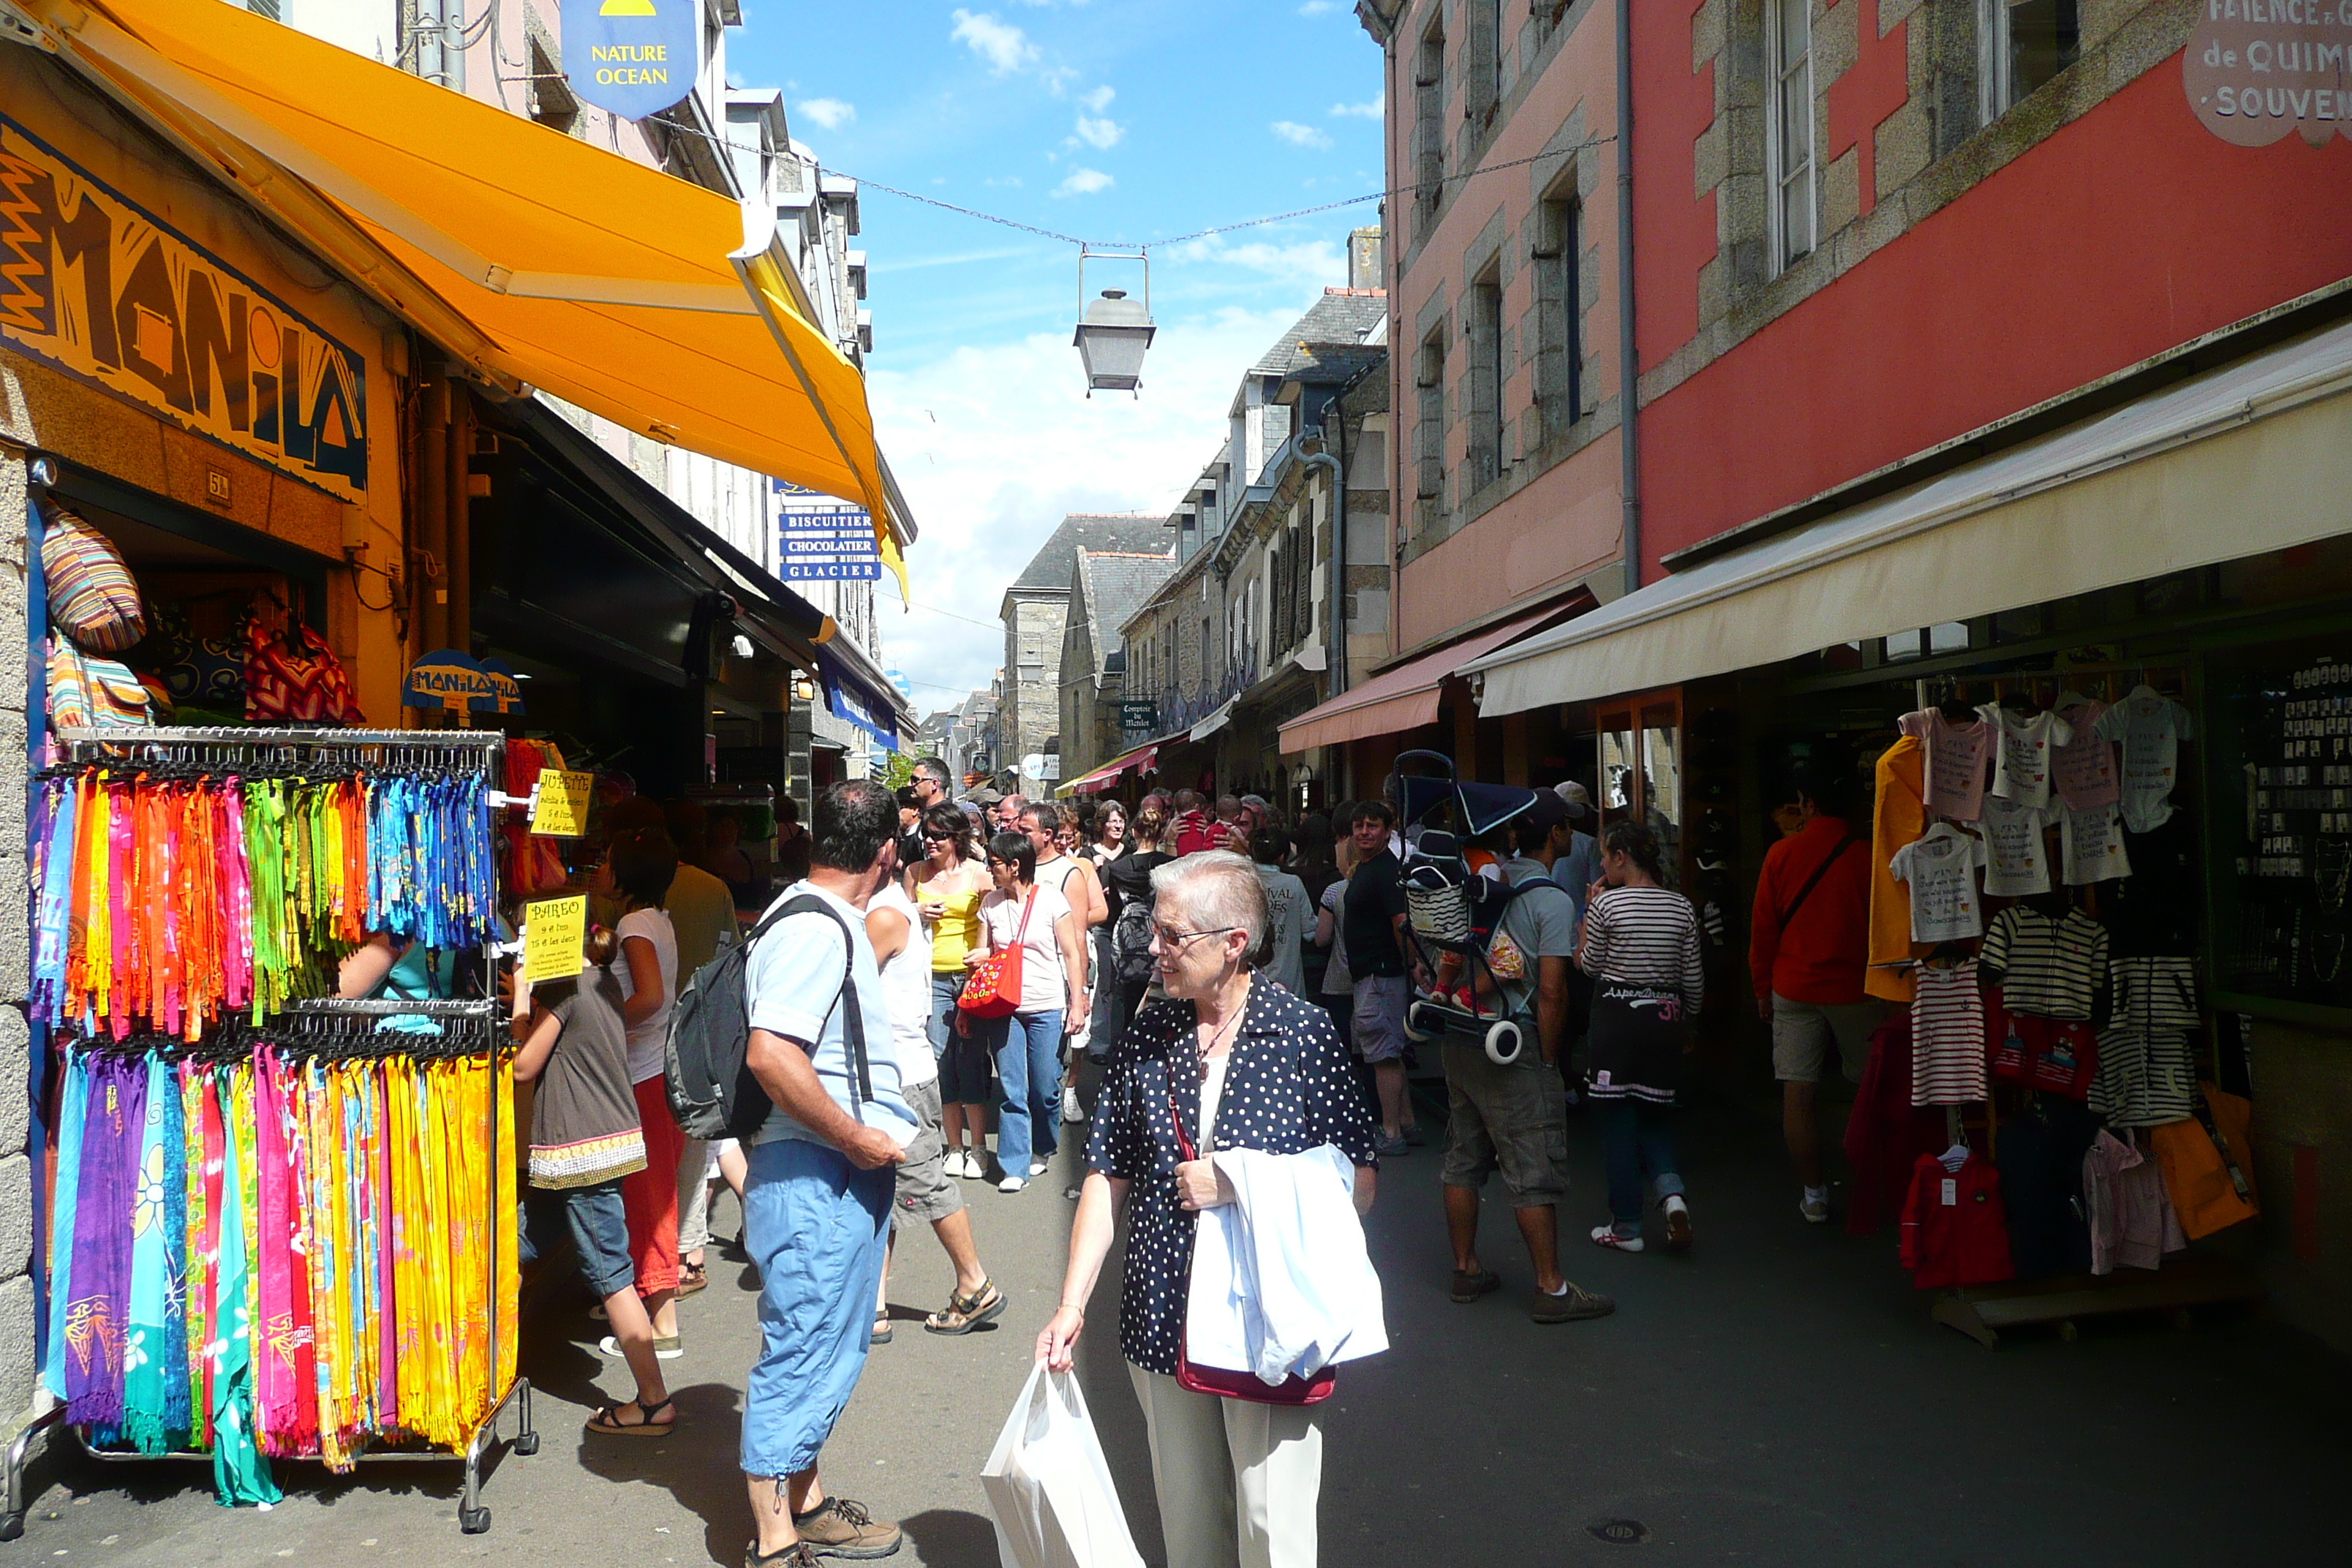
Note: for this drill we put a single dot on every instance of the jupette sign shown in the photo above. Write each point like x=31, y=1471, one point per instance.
x=634, y=58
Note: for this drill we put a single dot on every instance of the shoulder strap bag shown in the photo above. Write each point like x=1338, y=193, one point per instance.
x=1846, y=841
x=993, y=991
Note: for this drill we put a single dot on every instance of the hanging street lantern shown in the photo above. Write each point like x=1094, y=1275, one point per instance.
x=1115, y=331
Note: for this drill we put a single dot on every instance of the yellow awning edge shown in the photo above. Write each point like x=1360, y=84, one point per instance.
x=536, y=260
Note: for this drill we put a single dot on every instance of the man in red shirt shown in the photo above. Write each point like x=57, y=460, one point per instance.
x=1192, y=824
x=1807, y=946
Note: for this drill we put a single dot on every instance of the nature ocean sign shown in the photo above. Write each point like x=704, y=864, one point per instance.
x=97, y=287
x=634, y=58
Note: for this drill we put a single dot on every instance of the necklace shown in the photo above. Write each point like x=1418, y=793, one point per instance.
x=1224, y=1032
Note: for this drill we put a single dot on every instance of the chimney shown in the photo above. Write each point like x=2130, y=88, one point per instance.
x=1364, y=258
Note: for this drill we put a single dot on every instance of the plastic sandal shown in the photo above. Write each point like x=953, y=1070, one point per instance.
x=607, y=1420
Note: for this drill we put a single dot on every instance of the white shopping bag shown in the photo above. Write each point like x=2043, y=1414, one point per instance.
x=1049, y=1486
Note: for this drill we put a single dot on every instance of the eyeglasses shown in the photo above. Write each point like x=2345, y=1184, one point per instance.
x=1174, y=940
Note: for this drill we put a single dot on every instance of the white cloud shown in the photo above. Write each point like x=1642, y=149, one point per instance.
x=1299, y=135
x=1083, y=183
x=830, y=112
x=1312, y=261
x=1318, y=7
x=1368, y=109
x=1100, y=132
x=1005, y=48
x=963, y=431
x=1099, y=100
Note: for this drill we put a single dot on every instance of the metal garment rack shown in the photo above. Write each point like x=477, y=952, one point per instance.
x=466, y=751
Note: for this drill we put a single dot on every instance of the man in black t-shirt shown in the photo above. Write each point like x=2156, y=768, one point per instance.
x=1373, y=931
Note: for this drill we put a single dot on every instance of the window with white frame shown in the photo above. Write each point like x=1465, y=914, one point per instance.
x=1788, y=145
x=2021, y=43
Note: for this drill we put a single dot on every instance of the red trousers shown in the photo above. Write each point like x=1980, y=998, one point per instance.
x=649, y=1196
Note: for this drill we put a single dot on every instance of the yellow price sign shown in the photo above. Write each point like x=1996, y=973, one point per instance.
x=560, y=808
x=554, y=938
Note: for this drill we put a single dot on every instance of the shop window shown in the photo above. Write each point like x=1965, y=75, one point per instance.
x=1559, y=294
x=1487, y=368
x=1789, y=135
x=1904, y=645
x=1950, y=637
x=1641, y=757
x=2021, y=43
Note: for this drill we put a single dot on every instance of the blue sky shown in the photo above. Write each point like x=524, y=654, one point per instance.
x=1131, y=120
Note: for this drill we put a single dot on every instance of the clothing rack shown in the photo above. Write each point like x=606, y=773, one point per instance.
x=467, y=1022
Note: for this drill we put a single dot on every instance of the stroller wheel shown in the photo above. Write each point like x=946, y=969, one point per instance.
x=1504, y=1043
x=1419, y=1027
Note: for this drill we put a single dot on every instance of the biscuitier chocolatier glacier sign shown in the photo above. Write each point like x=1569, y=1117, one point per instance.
x=2257, y=69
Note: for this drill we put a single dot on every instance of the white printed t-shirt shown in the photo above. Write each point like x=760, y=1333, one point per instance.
x=2016, y=859
x=1043, y=986
x=2024, y=752
x=1940, y=871
x=2150, y=727
x=2091, y=845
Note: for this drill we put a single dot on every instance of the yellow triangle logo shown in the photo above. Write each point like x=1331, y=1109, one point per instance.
x=625, y=8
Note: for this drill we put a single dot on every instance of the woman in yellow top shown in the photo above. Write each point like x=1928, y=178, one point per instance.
x=947, y=888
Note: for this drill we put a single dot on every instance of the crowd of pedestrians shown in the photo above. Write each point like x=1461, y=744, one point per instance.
x=1186, y=975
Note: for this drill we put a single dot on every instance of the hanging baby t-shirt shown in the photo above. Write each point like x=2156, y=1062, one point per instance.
x=2091, y=845
x=2023, y=752
x=2084, y=769
x=2017, y=861
x=1941, y=872
x=1953, y=784
x=2151, y=726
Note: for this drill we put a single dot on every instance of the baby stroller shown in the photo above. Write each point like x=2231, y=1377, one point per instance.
x=1452, y=911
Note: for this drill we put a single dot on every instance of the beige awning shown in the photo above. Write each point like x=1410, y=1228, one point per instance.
x=1399, y=698
x=2252, y=457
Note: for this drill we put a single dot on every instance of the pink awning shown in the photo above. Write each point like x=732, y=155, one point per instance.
x=1103, y=777
x=1405, y=698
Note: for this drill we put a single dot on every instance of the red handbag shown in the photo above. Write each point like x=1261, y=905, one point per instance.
x=1224, y=1381
x=993, y=989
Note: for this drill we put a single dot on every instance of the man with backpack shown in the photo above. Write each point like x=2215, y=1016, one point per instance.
x=1514, y=1118
x=816, y=1204
x=1807, y=946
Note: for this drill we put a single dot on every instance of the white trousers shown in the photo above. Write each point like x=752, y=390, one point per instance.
x=1238, y=1482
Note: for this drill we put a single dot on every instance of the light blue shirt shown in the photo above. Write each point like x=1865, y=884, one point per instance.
x=1577, y=871
x=792, y=985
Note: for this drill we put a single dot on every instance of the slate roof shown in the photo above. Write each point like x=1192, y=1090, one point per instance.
x=1114, y=586
x=1136, y=533
x=1342, y=317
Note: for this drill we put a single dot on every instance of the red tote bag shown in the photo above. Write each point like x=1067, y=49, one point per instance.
x=994, y=988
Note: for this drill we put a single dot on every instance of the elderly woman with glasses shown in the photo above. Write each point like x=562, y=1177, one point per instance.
x=1242, y=1064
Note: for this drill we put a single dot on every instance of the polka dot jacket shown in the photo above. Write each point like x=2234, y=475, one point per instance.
x=1290, y=1087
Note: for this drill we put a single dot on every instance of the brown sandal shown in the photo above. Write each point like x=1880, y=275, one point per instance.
x=691, y=1277
x=607, y=1420
x=965, y=1313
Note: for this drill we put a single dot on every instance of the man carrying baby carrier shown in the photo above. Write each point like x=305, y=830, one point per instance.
x=1513, y=1117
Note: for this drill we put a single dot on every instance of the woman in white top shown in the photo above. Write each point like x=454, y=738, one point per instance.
x=1054, y=831
x=637, y=872
x=1023, y=912
x=926, y=1189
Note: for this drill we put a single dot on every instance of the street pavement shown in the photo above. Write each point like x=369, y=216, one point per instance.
x=1777, y=1396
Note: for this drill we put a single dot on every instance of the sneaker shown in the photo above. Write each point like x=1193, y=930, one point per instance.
x=1072, y=1112
x=1038, y=1167
x=1012, y=1184
x=1469, y=1287
x=799, y=1554
x=1572, y=1305
x=840, y=1528
x=668, y=1349
x=1679, y=1225
x=1815, y=1207
x=965, y=1163
x=1414, y=1136
x=1388, y=1147
x=1606, y=1235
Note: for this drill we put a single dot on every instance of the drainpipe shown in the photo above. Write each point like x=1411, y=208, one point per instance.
x=1629, y=370
x=456, y=568
x=429, y=509
x=1335, y=652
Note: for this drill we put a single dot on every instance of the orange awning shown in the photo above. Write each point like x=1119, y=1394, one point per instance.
x=1404, y=697
x=540, y=261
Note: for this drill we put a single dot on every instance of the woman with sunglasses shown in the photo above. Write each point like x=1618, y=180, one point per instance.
x=1027, y=1044
x=948, y=885
x=1227, y=1062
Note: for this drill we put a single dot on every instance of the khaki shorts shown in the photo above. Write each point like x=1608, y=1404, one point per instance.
x=925, y=1191
x=1801, y=1033
x=1513, y=1120
x=1378, y=1022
